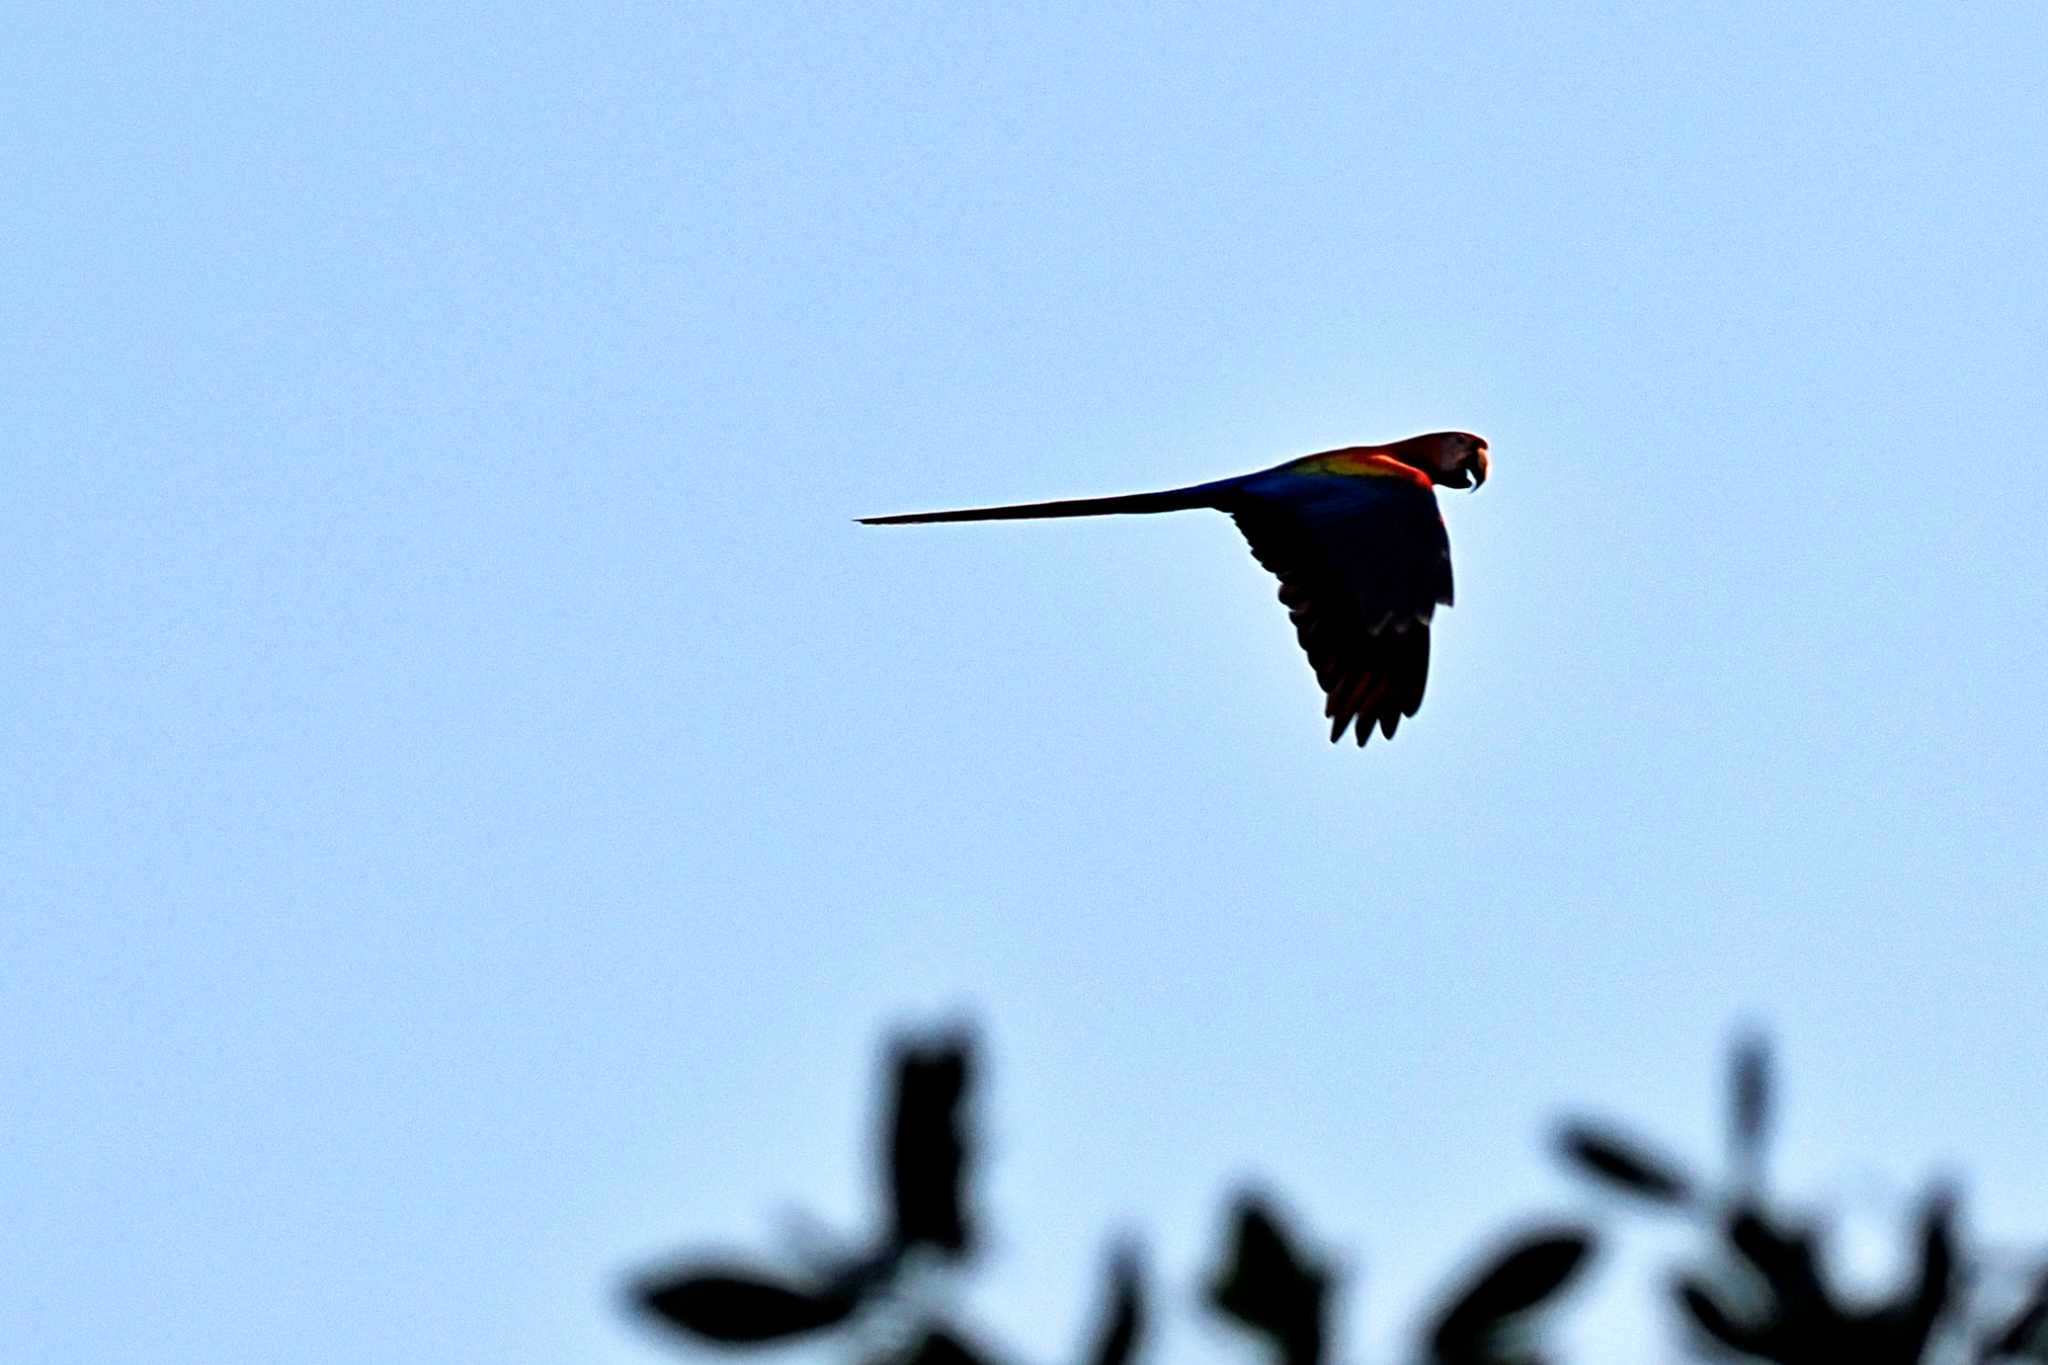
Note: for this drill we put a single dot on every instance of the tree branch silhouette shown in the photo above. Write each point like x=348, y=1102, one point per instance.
x=1762, y=1291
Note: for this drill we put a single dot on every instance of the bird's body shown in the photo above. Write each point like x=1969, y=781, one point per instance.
x=1355, y=538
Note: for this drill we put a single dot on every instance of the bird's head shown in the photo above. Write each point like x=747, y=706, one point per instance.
x=1455, y=459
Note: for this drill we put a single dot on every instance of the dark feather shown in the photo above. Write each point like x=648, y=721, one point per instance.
x=1171, y=500
x=1363, y=564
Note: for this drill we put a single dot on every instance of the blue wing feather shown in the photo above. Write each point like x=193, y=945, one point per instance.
x=1363, y=564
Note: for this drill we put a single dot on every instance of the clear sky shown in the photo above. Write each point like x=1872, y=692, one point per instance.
x=472, y=801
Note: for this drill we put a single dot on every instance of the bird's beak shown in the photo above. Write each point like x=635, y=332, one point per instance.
x=1480, y=467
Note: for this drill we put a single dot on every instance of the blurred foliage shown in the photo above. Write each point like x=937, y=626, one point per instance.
x=1761, y=1290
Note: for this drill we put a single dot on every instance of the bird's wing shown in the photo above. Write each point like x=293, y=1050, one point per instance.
x=1363, y=563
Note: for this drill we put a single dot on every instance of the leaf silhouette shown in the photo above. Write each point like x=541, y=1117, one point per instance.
x=1898, y=1332
x=1124, y=1324
x=1270, y=1287
x=938, y=1347
x=2025, y=1334
x=1793, y=1317
x=928, y=1146
x=1797, y=1321
x=1623, y=1164
x=1922, y=1302
x=1520, y=1279
x=1701, y=1304
x=1786, y=1259
x=1749, y=1102
x=739, y=1307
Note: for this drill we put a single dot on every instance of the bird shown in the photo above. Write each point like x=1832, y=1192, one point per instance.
x=1356, y=539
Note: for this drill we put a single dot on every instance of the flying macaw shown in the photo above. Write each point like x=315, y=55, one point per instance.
x=1355, y=538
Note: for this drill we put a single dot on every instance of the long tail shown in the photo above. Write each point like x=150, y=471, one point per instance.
x=1171, y=500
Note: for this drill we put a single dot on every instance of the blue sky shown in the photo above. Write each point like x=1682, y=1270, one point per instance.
x=471, y=801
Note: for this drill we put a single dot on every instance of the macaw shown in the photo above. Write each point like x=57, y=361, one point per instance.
x=1359, y=547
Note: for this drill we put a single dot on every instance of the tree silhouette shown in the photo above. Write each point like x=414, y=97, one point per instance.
x=1761, y=1292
